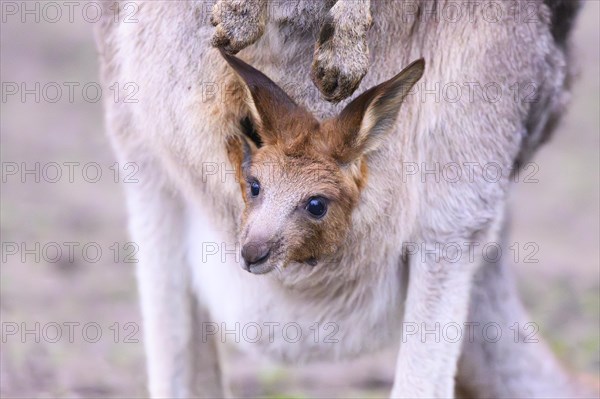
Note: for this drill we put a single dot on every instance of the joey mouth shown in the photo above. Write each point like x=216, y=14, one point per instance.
x=259, y=268
x=258, y=257
x=269, y=263
x=312, y=262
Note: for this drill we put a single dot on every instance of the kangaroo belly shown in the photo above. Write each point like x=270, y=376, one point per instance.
x=294, y=322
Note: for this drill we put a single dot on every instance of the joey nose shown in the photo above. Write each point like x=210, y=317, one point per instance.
x=256, y=252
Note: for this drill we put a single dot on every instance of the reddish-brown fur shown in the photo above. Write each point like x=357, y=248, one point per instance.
x=302, y=158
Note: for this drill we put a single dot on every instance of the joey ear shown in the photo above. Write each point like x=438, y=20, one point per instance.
x=239, y=152
x=362, y=124
x=269, y=105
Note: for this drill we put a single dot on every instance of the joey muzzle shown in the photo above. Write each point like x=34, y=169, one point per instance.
x=255, y=253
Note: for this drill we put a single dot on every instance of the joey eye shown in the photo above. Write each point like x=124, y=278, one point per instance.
x=316, y=207
x=254, y=188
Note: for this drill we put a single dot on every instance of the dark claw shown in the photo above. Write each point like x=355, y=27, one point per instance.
x=330, y=83
x=327, y=31
x=219, y=41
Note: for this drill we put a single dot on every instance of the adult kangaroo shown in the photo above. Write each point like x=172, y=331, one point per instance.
x=406, y=266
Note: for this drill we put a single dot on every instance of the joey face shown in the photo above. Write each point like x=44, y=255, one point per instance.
x=297, y=209
x=300, y=178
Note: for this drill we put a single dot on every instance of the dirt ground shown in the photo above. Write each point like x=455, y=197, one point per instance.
x=95, y=293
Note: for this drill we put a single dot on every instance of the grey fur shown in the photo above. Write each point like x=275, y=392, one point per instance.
x=180, y=125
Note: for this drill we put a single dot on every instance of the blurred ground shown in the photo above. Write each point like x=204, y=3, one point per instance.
x=560, y=213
